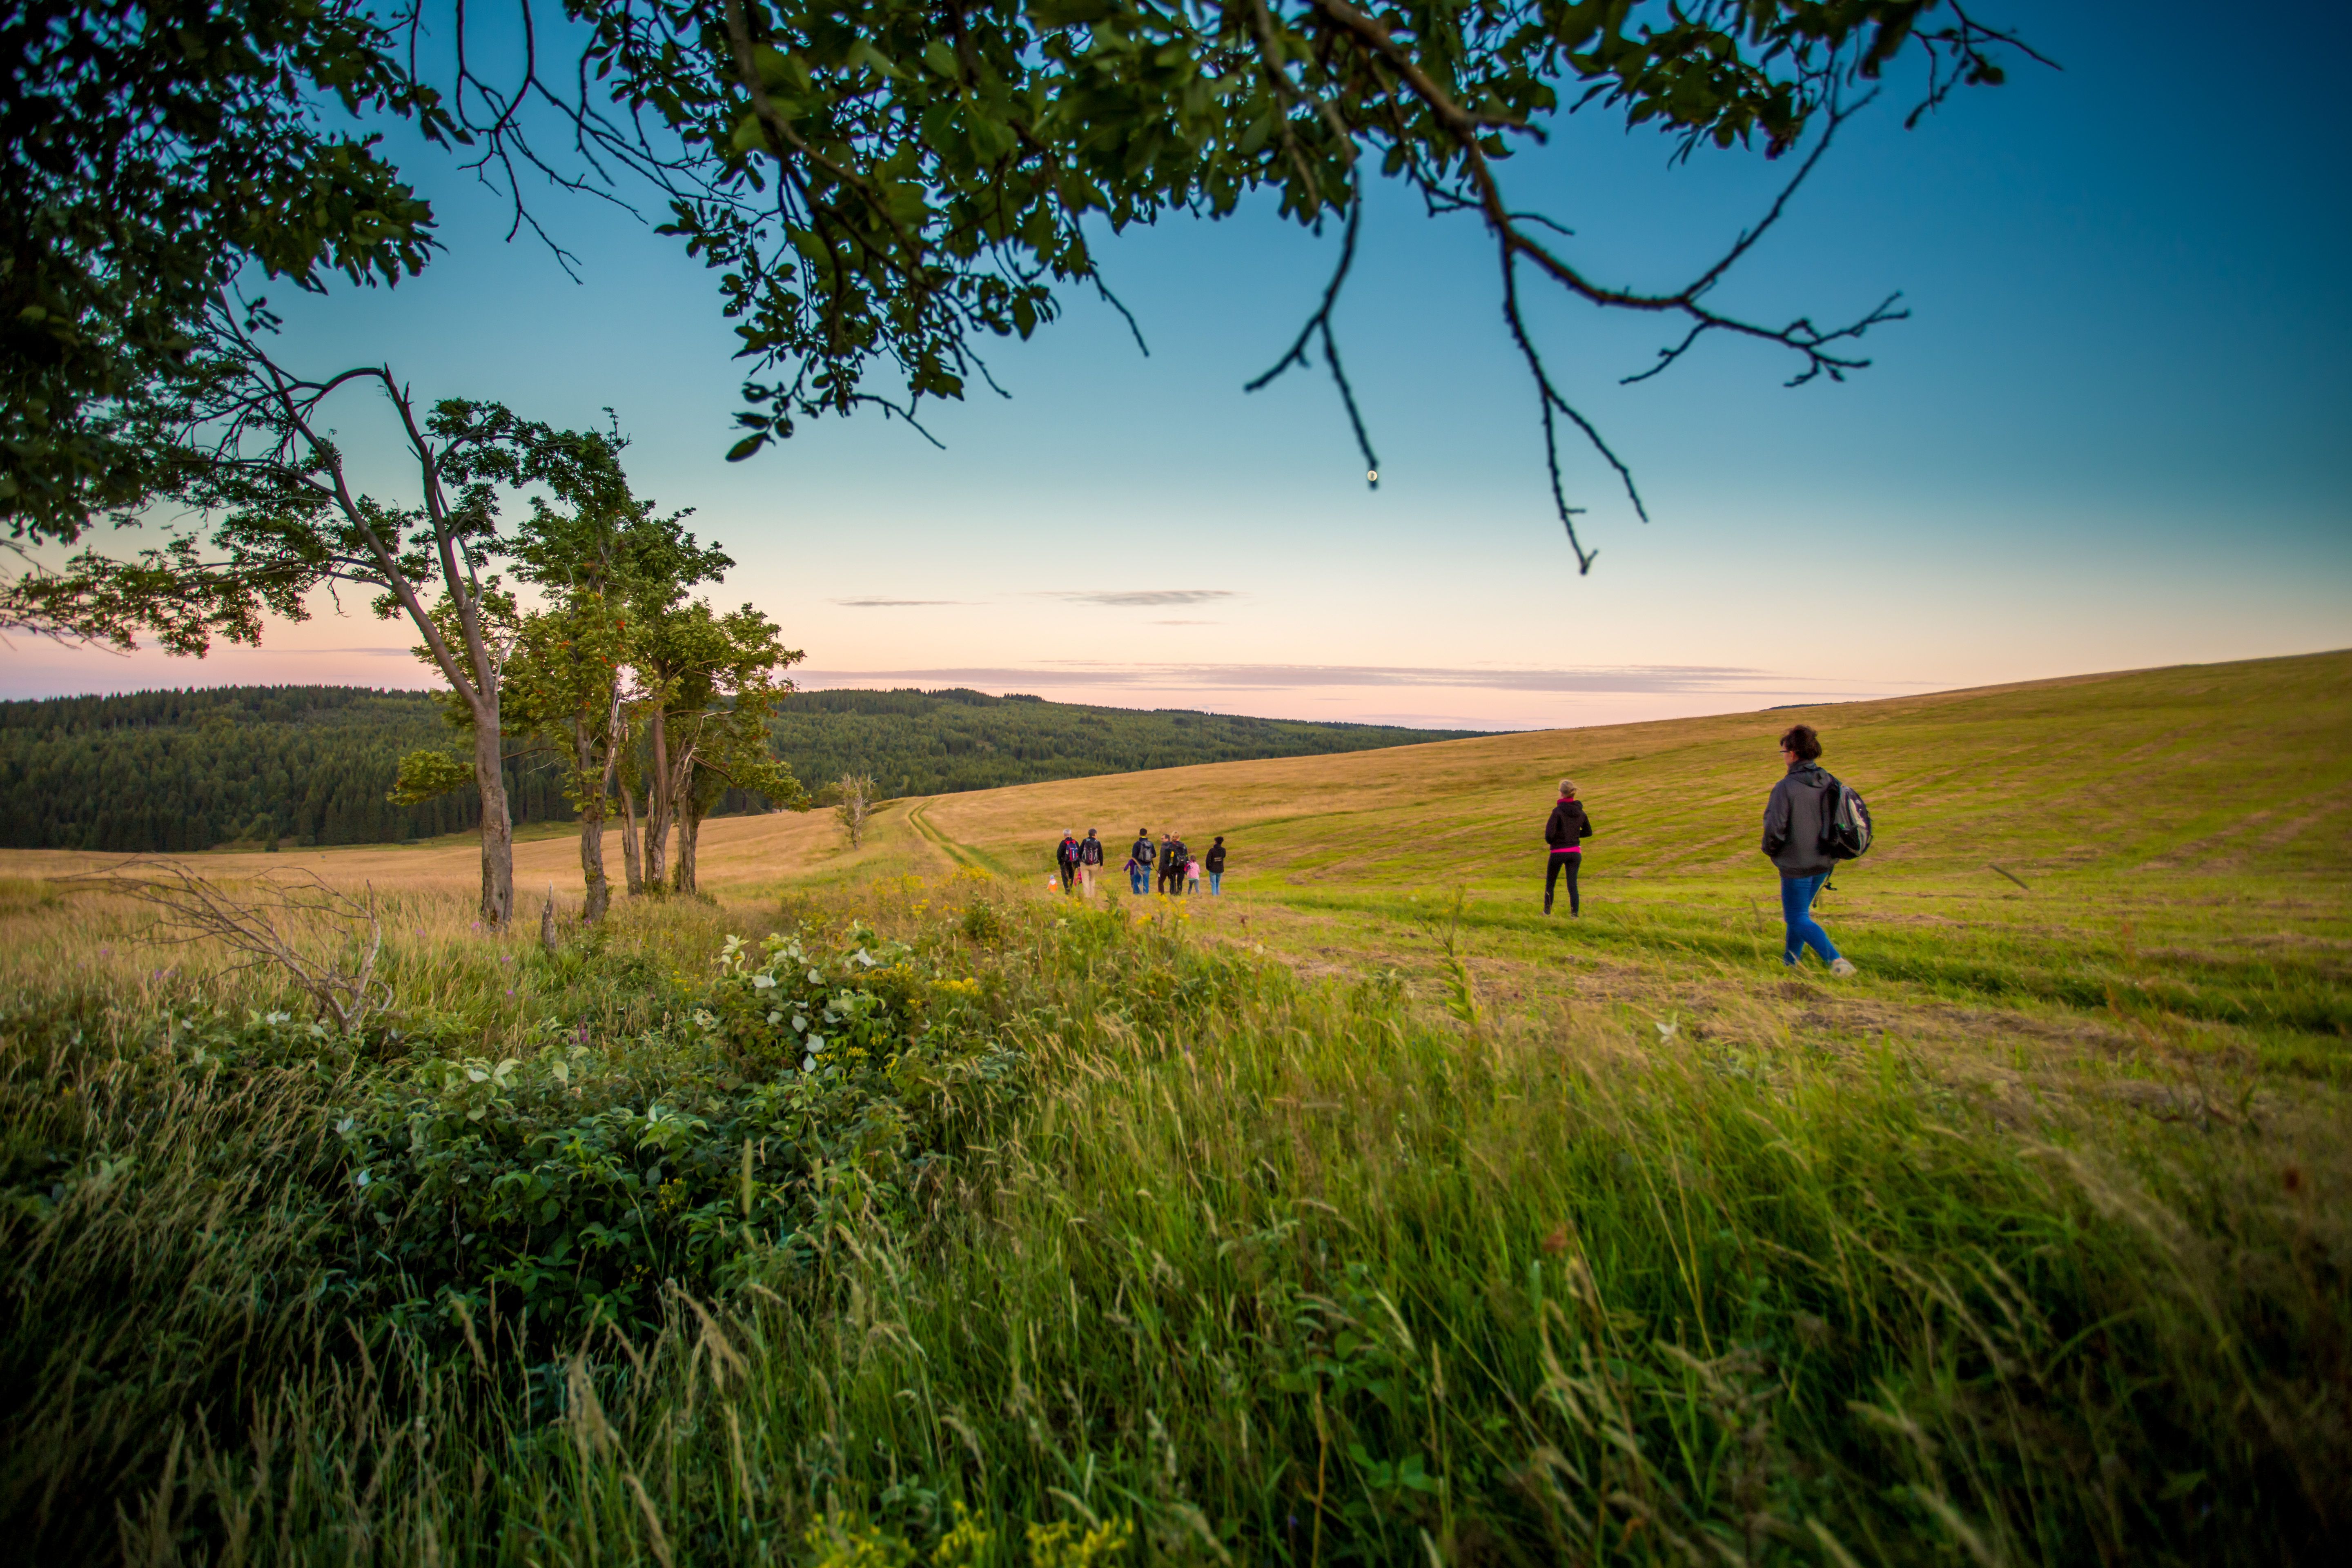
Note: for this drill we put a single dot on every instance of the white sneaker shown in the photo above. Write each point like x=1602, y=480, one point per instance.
x=1840, y=966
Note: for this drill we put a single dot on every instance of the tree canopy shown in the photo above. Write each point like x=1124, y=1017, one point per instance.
x=150, y=150
x=881, y=188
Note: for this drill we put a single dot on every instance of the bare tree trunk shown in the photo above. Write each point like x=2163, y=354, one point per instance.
x=497, y=827
x=659, y=808
x=690, y=828
x=631, y=861
x=593, y=809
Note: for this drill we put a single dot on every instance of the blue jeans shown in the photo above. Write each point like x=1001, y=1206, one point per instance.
x=1216, y=879
x=1804, y=931
x=1135, y=881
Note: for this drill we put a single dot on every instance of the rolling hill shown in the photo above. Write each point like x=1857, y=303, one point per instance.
x=175, y=771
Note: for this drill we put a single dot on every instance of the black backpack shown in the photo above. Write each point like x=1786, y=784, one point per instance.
x=1845, y=821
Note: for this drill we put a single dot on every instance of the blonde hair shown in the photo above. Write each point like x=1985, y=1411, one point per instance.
x=1566, y=789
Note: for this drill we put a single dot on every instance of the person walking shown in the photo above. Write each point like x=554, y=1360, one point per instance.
x=1794, y=818
x=1066, y=856
x=1090, y=855
x=1214, y=864
x=1192, y=876
x=1172, y=856
x=1565, y=832
x=1139, y=861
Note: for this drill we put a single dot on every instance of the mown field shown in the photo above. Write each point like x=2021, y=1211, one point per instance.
x=1363, y=1216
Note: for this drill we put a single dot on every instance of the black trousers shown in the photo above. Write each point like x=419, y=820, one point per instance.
x=1568, y=863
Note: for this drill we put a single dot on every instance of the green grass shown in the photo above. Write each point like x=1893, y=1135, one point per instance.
x=1252, y=1267
x=1364, y=1215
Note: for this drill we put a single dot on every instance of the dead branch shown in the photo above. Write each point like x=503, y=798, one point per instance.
x=325, y=940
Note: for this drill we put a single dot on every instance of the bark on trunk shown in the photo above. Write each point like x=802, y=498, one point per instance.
x=632, y=862
x=658, y=810
x=498, y=827
x=592, y=865
x=690, y=828
x=592, y=828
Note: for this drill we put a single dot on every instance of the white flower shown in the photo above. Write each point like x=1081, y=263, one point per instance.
x=776, y=1016
x=800, y=1026
x=808, y=1062
x=763, y=983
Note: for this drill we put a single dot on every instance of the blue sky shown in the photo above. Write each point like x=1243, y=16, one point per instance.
x=2112, y=434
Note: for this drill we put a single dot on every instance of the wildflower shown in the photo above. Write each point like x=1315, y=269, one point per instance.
x=1059, y=1545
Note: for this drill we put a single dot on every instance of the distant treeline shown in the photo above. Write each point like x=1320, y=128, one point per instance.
x=170, y=772
x=938, y=742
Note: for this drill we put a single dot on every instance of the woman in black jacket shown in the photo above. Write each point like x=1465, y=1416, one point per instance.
x=1566, y=832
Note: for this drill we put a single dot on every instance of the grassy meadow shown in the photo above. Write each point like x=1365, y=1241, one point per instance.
x=882, y=1207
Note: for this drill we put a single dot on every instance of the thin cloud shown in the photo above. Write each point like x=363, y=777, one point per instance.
x=1202, y=678
x=1147, y=598
x=897, y=604
x=1187, y=623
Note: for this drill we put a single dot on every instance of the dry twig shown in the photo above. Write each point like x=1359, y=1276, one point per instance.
x=335, y=966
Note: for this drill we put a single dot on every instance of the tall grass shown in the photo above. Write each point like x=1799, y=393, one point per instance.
x=1241, y=1269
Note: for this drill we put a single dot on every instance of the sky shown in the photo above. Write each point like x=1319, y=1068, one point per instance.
x=2113, y=433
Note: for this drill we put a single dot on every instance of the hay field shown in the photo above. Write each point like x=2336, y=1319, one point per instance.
x=2171, y=844
x=1365, y=1215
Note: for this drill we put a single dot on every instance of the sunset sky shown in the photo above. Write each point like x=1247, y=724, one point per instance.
x=2113, y=433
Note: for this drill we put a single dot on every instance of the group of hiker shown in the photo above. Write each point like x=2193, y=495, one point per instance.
x=1169, y=866
x=1811, y=821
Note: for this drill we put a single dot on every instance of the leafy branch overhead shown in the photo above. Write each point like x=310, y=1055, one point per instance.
x=889, y=186
x=880, y=188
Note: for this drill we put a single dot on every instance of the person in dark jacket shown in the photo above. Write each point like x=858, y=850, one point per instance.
x=1066, y=859
x=1214, y=863
x=1139, y=862
x=1793, y=819
x=1090, y=855
x=1173, y=857
x=1565, y=832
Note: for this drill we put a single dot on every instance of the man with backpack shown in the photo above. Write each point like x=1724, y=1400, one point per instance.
x=1139, y=862
x=1090, y=855
x=1811, y=823
x=1066, y=859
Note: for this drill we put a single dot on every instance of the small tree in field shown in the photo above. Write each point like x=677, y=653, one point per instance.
x=709, y=680
x=257, y=457
x=573, y=681
x=856, y=806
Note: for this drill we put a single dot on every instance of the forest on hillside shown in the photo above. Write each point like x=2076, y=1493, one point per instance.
x=940, y=742
x=172, y=772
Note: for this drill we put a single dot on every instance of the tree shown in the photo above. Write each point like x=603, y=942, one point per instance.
x=710, y=682
x=566, y=684
x=572, y=681
x=289, y=520
x=892, y=184
x=889, y=186
x=149, y=151
x=857, y=804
